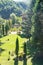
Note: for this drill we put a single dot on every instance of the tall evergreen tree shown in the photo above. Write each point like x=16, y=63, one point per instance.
x=6, y=28
x=24, y=57
x=13, y=17
x=2, y=29
x=17, y=47
x=37, y=37
x=16, y=51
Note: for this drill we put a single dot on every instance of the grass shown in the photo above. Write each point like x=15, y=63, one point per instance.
x=9, y=45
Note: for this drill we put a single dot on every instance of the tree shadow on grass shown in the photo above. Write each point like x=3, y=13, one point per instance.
x=1, y=50
x=1, y=43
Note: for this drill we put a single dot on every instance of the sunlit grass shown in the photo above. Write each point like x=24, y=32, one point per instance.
x=9, y=45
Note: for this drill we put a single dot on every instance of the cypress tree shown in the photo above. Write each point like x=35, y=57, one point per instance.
x=6, y=28
x=2, y=29
x=24, y=57
x=37, y=35
x=16, y=51
x=17, y=47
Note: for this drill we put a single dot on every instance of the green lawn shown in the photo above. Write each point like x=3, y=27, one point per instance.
x=9, y=45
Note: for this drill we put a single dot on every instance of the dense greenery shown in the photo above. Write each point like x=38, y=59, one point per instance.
x=27, y=24
x=17, y=47
x=24, y=56
x=35, y=46
x=8, y=6
x=30, y=27
x=38, y=35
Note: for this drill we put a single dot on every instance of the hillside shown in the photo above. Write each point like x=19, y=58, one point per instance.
x=8, y=6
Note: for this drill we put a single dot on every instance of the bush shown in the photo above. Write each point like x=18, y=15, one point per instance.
x=0, y=36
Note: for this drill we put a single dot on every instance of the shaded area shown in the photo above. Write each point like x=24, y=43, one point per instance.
x=1, y=50
x=31, y=49
x=24, y=60
x=1, y=36
x=20, y=58
x=24, y=56
x=1, y=43
x=23, y=36
x=37, y=61
x=37, y=57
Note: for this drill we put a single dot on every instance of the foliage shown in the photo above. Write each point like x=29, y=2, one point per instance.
x=17, y=47
x=27, y=24
x=37, y=35
x=24, y=57
x=13, y=17
x=2, y=29
x=6, y=28
x=25, y=50
x=8, y=6
x=10, y=46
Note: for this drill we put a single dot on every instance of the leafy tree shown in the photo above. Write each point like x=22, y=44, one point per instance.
x=10, y=23
x=26, y=25
x=13, y=17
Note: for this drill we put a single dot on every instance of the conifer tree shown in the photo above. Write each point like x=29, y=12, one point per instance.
x=37, y=35
x=24, y=57
x=17, y=47
x=2, y=29
x=6, y=28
